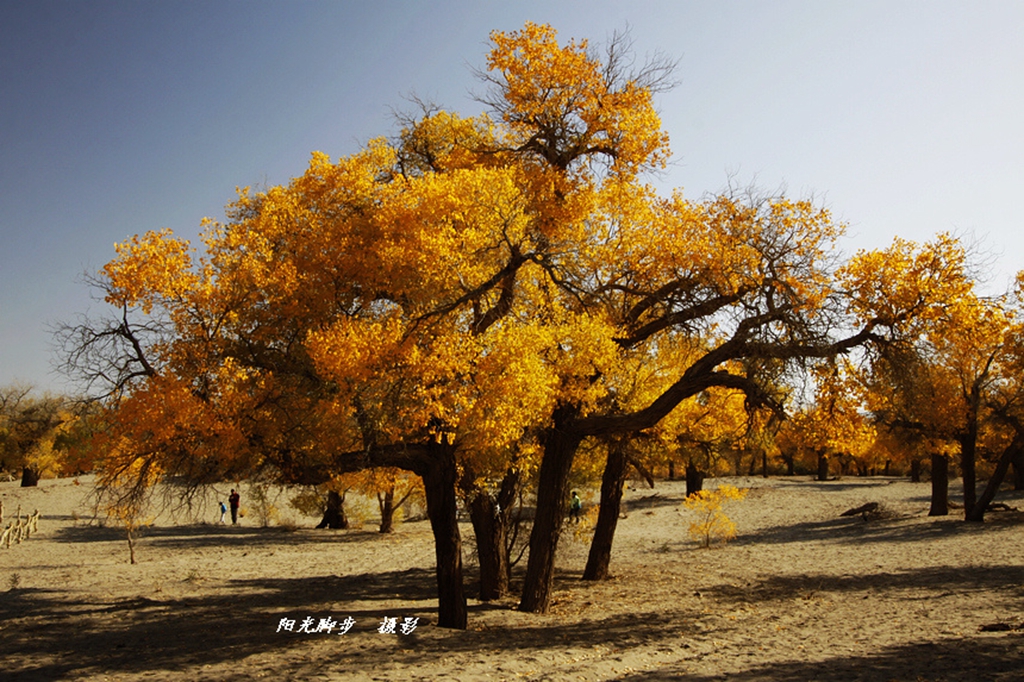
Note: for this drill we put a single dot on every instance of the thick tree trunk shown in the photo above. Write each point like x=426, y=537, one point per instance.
x=915, y=471
x=439, y=482
x=1018, y=470
x=694, y=479
x=822, y=466
x=607, y=515
x=29, y=477
x=491, y=518
x=489, y=529
x=559, y=450
x=334, y=515
x=977, y=514
x=790, y=466
x=940, y=486
x=386, y=502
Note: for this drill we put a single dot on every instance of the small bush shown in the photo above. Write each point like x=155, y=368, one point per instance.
x=712, y=523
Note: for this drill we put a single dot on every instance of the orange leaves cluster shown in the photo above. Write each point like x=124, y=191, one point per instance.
x=150, y=268
x=906, y=286
x=559, y=102
x=482, y=273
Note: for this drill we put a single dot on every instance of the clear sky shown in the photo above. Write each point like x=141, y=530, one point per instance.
x=905, y=118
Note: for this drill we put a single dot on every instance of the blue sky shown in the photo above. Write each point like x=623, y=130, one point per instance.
x=905, y=118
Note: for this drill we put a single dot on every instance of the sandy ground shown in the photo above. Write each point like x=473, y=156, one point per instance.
x=801, y=594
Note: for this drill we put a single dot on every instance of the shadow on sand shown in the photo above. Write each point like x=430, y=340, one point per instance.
x=978, y=659
x=215, y=535
x=938, y=581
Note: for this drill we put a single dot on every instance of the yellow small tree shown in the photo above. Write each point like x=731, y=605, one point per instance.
x=711, y=520
x=127, y=513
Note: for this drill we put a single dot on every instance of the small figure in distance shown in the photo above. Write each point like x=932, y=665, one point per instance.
x=233, y=499
x=223, y=511
x=575, y=505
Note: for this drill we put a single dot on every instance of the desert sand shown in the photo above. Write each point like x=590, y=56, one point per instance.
x=801, y=594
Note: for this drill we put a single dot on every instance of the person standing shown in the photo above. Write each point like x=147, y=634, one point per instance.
x=575, y=505
x=223, y=511
x=233, y=499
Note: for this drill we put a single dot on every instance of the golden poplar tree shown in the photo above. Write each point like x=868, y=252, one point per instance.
x=471, y=299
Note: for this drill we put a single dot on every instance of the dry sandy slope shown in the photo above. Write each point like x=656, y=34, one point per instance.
x=802, y=594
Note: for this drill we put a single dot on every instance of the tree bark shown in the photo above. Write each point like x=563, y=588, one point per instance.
x=764, y=465
x=915, y=471
x=559, y=450
x=491, y=518
x=490, y=546
x=694, y=479
x=1018, y=470
x=822, y=466
x=439, y=480
x=334, y=515
x=29, y=477
x=386, y=502
x=940, y=486
x=968, y=454
x=671, y=470
x=607, y=516
x=977, y=514
x=131, y=545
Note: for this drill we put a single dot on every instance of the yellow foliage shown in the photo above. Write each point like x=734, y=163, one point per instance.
x=149, y=268
x=545, y=85
x=484, y=273
x=712, y=523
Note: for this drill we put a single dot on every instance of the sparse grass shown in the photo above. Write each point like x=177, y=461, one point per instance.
x=13, y=581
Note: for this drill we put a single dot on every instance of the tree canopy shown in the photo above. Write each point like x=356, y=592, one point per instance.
x=479, y=294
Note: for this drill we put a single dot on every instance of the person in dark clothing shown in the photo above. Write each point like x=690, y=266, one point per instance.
x=233, y=499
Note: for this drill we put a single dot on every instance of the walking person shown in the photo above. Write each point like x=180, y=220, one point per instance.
x=223, y=511
x=575, y=506
x=233, y=499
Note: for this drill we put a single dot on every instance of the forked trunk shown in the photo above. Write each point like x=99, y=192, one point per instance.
x=940, y=486
x=607, y=515
x=977, y=514
x=491, y=518
x=489, y=529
